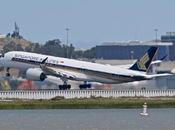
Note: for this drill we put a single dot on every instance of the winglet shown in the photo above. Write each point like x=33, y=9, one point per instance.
x=42, y=65
x=44, y=61
x=163, y=58
x=144, y=62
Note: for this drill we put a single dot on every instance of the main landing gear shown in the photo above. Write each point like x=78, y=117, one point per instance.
x=65, y=86
x=85, y=86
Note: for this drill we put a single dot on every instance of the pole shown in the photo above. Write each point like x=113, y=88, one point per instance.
x=67, y=41
x=154, y=68
x=156, y=30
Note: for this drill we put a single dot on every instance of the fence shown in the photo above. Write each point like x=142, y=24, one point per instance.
x=49, y=94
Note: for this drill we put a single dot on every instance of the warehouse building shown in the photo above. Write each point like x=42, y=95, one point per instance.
x=134, y=49
x=170, y=37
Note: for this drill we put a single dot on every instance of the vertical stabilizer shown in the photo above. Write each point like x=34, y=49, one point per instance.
x=144, y=62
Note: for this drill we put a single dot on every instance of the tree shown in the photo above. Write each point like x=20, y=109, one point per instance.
x=9, y=47
x=51, y=47
x=37, y=48
x=18, y=47
x=71, y=49
x=78, y=54
x=90, y=53
x=30, y=48
x=12, y=46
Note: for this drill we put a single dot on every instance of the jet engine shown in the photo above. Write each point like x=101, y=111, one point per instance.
x=35, y=74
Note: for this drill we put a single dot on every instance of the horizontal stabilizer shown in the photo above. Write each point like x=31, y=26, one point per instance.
x=158, y=75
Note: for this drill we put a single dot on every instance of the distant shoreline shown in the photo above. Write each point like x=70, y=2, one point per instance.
x=93, y=103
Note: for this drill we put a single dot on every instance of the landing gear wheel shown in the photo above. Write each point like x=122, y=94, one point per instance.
x=65, y=87
x=7, y=72
x=85, y=86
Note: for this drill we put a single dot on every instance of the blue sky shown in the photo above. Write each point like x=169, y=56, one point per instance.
x=91, y=22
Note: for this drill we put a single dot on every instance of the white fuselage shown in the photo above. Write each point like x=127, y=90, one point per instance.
x=84, y=71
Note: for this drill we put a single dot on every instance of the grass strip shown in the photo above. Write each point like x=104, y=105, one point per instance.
x=96, y=103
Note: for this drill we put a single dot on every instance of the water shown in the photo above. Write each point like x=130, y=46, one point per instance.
x=87, y=119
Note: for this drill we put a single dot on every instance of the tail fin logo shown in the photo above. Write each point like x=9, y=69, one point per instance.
x=142, y=62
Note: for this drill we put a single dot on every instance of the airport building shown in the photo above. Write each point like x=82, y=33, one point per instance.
x=168, y=37
x=134, y=49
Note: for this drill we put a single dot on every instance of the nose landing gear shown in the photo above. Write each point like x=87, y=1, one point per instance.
x=7, y=72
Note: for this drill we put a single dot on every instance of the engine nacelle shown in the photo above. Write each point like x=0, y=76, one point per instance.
x=35, y=74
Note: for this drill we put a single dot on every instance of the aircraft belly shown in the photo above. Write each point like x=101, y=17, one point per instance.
x=110, y=80
x=107, y=78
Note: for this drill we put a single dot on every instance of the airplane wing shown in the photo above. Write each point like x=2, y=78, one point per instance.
x=57, y=72
x=61, y=73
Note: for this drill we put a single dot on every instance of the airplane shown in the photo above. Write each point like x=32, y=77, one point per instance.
x=38, y=67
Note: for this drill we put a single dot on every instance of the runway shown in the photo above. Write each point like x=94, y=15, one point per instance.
x=68, y=94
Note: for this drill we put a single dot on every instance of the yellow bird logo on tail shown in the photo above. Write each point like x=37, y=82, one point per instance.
x=142, y=62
